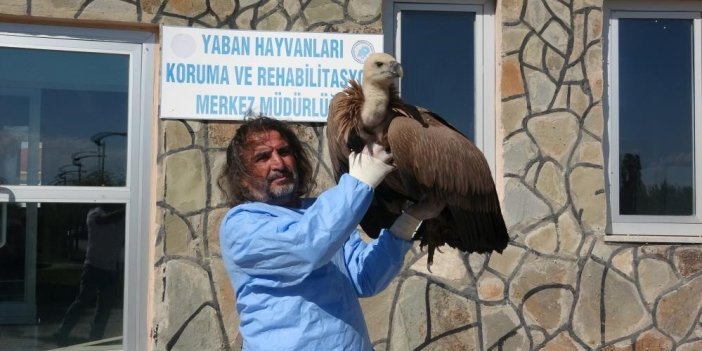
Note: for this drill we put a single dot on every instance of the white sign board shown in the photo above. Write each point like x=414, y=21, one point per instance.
x=227, y=74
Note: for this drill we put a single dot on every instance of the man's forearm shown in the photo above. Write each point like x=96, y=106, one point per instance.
x=373, y=266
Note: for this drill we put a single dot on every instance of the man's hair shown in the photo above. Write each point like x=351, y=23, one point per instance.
x=232, y=179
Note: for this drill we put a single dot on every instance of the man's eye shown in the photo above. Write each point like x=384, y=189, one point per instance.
x=284, y=151
x=260, y=157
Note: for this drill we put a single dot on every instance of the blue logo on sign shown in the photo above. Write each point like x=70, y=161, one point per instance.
x=361, y=49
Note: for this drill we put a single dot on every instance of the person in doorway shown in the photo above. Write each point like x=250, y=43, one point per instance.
x=99, y=278
x=298, y=265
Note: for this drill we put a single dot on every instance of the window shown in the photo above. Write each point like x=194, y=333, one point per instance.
x=447, y=52
x=655, y=116
x=75, y=119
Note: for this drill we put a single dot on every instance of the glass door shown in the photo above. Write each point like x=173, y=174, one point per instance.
x=71, y=165
x=18, y=225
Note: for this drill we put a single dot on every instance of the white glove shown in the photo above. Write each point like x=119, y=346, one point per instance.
x=371, y=165
x=409, y=221
x=405, y=226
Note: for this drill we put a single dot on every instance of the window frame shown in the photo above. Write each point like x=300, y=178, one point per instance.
x=484, y=58
x=650, y=228
x=135, y=194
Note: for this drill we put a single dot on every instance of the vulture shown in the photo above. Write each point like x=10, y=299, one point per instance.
x=432, y=158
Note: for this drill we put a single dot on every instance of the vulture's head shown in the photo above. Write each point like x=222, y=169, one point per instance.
x=381, y=69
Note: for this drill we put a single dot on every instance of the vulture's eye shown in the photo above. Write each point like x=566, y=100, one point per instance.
x=378, y=64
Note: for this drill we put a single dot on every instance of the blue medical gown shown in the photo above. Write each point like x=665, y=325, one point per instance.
x=298, y=273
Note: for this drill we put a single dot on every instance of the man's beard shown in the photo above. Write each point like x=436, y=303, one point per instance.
x=280, y=194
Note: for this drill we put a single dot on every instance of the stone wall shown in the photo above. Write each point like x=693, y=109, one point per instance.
x=558, y=286
x=563, y=287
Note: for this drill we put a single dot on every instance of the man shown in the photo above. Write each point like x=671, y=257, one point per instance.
x=298, y=265
x=105, y=225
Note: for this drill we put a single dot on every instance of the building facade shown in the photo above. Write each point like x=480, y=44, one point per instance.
x=586, y=110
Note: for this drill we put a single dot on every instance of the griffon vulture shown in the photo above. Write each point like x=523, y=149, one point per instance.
x=433, y=159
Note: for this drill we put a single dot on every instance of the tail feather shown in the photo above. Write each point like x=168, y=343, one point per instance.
x=466, y=230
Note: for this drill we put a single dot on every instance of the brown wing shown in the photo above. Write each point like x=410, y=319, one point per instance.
x=342, y=135
x=434, y=159
x=442, y=161
x=336, y=140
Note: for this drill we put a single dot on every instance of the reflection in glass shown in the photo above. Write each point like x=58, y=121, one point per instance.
x=656, y=116
x=61, y=275
x=13, y=224
x=439, y=64
x=56, y=109
x=14, y=139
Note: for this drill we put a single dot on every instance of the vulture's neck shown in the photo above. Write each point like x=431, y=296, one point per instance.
x=375, y=106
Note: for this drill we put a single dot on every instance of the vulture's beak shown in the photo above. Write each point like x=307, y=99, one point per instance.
x=396, y=69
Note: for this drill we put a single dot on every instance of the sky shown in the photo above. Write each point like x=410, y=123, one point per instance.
x=656, y=97
x=92, y=99
x=439, y=71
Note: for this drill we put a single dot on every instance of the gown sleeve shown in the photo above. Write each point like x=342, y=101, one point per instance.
x=284, y=248
x=372, y=266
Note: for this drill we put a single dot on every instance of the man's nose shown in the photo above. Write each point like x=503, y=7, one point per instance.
x=277, y=161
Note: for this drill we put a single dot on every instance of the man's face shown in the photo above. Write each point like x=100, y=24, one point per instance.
x=272, y=167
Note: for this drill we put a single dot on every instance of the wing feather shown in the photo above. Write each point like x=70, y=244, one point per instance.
x=342, y=126
x=443, y=161
x=338, y=152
